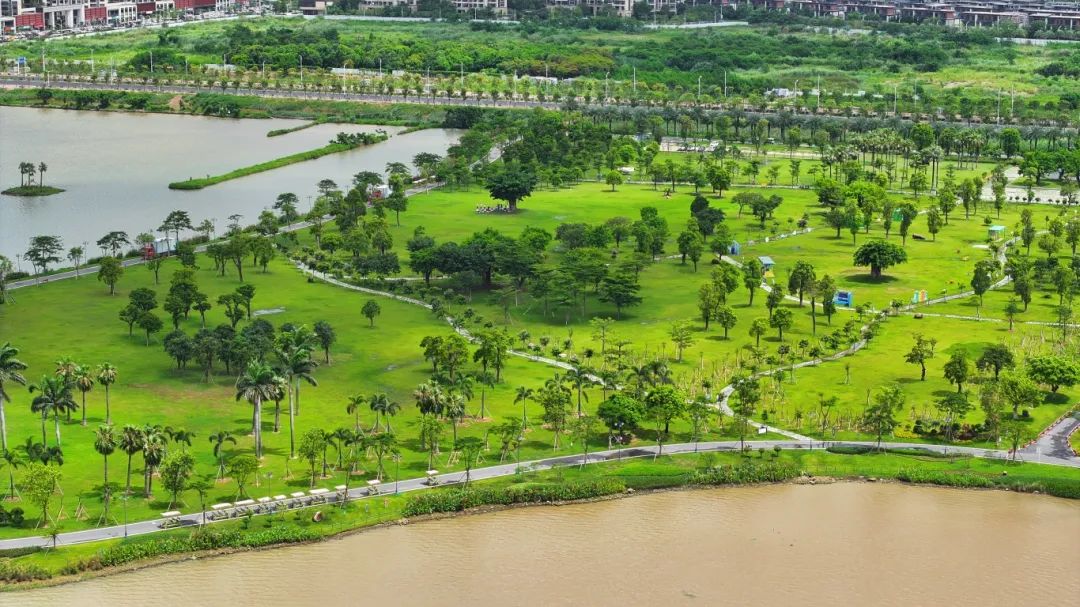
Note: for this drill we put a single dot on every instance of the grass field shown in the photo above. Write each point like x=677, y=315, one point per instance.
x=78, y=318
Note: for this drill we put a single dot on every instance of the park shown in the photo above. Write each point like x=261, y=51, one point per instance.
x=561, y=290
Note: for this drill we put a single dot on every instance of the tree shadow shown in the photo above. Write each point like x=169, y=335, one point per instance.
x=867, y=279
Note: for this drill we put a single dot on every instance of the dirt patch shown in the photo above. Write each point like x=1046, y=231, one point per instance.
x=176, y=103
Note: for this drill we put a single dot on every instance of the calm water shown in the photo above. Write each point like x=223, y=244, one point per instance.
x=843, y=544
x=116, y=168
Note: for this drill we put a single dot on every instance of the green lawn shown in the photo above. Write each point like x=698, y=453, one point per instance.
x=79, y=319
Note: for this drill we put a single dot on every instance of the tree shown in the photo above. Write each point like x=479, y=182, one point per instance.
x=53, y=396
x=114, y=242
x=781, y=320
x=753, y=273
x=218, y=440
x=908, y=213
x=921, y=351
x=953, y=407
x=470, y=448
x=958, y=369
x=370, y=310
x=43, y=251
x=621, y=414
x=511, y=183
x=241, y=468
x=149, y=323
x=6, y=268
x=1017, y=390
x=130, y=441
x=982, y=277
x=1016, y=434
x=879, y=255
x=613, y=178
x=11, y=369
x=256, y=385
x=105, y=445
x=176, y=471
x=1054, y=371
x=663, y=405
x=312, y=445
x=762, y=207
x=746, y=392
x=682, y=336
x=12, y=460
x=759, y=327
x=39, y=484
x=996, y=357
x=801, y=279
x=933, y=222
x=726, y=318
x=880, y=416
x=621, y=289
x=555, y=400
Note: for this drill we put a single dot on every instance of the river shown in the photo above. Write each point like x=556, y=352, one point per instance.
x=843, y=544
x=115, y=168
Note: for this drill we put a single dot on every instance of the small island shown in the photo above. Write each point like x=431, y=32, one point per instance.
x=28, y=171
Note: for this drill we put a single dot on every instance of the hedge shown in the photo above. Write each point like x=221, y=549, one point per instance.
x=463, y=499
x=742, y=474
x=200, y=540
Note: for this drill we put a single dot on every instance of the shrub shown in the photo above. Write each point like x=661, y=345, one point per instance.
x=11, y=572
x=462, y=499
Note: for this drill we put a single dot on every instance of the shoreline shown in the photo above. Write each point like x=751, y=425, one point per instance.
x=807, y=480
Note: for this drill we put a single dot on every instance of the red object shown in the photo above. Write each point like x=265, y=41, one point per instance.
x=193, y=4
x=34, y=20
x=145, y=8
x=96, y=13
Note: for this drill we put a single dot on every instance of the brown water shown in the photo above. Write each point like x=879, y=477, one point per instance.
x=845, y=544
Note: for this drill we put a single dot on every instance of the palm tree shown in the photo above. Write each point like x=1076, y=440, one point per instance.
x=84, y=381
x=580, y=378
x=11, y=369
x=353, y=406
x=454, y=410
x=340, y=438
x=106, y=377
x=486, y=380
x=12, y=460
x=219, y=439
x=522, y=396
x=384, y=408
x=201, y=487
x=153, y=451
x=131, y=442
x=182, y=436
x=255, y=385
x=382, y=444
x=54, y=396
x=296, y=364
x=281, y=389
x=105, y=444
x=67, y=368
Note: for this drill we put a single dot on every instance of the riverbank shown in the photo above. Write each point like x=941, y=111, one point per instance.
x=31, y=190
x=343, y=143
x=610, y=480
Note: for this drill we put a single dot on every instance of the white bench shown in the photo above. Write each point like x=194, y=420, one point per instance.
x=221, y=506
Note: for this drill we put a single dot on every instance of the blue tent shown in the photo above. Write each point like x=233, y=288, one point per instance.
x=767, y=262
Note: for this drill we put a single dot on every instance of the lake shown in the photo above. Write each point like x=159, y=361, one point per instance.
x=842, y=544
x=116, y=167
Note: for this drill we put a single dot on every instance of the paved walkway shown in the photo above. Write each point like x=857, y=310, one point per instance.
x=503, y=470
x=1054, y=441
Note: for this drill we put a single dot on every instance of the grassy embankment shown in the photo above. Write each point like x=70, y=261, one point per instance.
x=562, y=484
x=32, y=190
x=198, y=184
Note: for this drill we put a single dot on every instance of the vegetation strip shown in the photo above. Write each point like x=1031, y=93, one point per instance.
x=331, y=148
